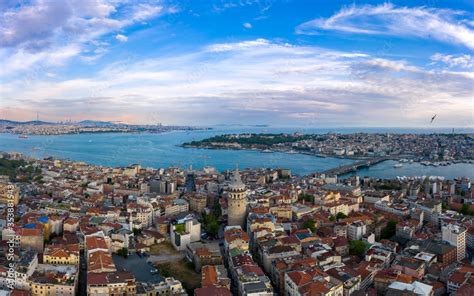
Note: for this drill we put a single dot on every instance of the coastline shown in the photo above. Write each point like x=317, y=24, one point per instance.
x=129, y=131
x=165, y=150
x=391, y=157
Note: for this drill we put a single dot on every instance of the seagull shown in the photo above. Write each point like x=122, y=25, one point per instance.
x=433, y=118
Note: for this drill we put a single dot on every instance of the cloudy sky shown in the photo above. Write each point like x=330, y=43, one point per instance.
x=286, y=63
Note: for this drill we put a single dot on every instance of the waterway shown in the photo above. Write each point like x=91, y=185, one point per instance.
x=163, y=150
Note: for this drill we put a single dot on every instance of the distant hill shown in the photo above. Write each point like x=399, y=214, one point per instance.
x=35, y=122
x=39, y=122
x=95, y=123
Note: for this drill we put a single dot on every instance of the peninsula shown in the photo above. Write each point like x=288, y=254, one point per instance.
x=37, y=127
x=437, y=149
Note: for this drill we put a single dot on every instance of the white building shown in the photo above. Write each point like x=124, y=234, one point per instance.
x=140, y=215
x=417, y=288
x=185, y=231
x=356, y=230
x=455, y=235
x=397, y=209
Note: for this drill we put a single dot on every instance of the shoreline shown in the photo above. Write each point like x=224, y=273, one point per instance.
x=88, y=163
x=355, y=158
x=74, y=147
x=103, y=132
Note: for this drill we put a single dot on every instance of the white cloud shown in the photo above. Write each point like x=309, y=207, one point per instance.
x=219, y=47
x=39, y=27
x=258, y=81
x=142, y=12
x=121, y=38
x=247, y=25
x=386, y=19
x=462, y=61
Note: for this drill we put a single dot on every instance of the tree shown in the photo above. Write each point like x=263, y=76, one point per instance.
x=389, y=230
x=465, y=209
x=123, y=252
x=136, y=231
x=306, y=197
x=357, y=248
x=217, y=209
x=340, y=215
x=332, y=218
x=310, y=225
x=211, y=224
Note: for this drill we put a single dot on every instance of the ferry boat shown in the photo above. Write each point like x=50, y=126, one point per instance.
x=398, y=165
x=267, y=151
x=23, y=137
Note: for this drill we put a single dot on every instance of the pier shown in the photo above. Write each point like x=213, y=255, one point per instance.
x=353, y=167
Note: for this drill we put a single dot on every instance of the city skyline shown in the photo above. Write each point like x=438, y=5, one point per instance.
x=254, y=62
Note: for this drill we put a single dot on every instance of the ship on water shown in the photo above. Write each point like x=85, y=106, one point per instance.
x=23, y=137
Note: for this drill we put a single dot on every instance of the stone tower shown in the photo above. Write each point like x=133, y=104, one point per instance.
x=237, y=201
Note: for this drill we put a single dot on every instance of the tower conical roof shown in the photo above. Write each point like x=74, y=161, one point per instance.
x=236, y=183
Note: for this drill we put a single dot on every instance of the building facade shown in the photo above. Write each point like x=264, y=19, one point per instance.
x=237, y=203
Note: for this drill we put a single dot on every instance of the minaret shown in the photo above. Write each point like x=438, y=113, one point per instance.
x=237, y=201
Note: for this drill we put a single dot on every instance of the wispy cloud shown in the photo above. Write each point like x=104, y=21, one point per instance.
x=387, y=19
x=121, y=38
x=258, y=81
x=40, y=31
x=465, y=61
x=247, y=25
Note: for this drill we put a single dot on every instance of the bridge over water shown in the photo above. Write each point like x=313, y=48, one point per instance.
x=353, y=167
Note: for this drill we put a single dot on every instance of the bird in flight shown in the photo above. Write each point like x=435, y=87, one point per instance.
x=433, y=118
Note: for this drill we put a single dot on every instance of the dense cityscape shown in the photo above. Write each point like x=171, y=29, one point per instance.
x=428, y=147
x=86, y=126
x=79, y=228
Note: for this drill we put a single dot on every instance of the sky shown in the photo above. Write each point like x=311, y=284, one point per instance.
x=282, y=63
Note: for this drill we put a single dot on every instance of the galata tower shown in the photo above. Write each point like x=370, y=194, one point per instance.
x=237, y=201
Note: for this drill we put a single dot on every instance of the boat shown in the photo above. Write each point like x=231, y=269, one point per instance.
x=154, y=271
x=23, y=137
x=267, y=151
x=398, y=165
x=292, y=152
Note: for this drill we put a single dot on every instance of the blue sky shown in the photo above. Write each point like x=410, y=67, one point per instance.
x=286, y=63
